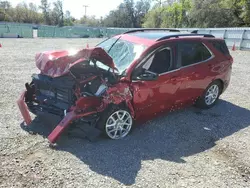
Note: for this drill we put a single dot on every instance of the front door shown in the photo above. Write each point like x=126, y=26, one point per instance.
x=153, y=96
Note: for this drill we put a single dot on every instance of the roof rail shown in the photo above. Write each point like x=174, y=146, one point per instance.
x=185, y=35
x=195, y=31
x=151, y=29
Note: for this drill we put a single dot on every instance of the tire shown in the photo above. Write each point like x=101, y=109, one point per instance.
x=214, y=91
x=115, y=122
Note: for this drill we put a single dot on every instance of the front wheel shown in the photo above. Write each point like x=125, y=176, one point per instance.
x=210, y=96
x=116, y=123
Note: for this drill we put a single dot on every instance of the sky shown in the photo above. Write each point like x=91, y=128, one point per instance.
x=97, y=8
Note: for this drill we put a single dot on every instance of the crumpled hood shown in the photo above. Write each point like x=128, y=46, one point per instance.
x=58, y=63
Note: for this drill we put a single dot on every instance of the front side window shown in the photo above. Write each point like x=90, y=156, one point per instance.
x=193, y=52
x=160, y=62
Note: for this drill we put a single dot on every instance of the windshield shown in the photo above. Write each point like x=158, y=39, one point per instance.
x=122, y=52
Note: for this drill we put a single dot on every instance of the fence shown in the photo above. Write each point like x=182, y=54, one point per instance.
x=16, y=30
x=78, y=32
x=238, y=36
x=26, y=31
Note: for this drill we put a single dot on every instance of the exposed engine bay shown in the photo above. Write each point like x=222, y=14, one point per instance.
x=57, y=95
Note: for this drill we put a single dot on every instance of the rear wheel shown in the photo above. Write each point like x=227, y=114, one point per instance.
x=210, y=96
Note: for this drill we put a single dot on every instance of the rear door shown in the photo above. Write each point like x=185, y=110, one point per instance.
x=194, y=59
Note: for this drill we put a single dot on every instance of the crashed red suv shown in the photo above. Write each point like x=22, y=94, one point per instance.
x=128, y=78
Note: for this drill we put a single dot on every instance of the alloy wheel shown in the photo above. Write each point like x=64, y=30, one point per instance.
x=212, y=94
x=118, y=124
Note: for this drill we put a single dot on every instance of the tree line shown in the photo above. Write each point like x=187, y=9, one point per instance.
x=137, y=13
x=45, y=13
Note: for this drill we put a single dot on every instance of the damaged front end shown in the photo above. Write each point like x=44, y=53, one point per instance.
x=77, y=88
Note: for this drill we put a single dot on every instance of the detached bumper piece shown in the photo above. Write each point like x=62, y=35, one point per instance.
x=54, y=135
x=24, y=109
x=71, y=116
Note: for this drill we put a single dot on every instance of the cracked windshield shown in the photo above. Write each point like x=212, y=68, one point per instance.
x=123, y=52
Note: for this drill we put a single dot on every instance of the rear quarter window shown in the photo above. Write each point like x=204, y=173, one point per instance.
x=192, y=53
x=221, y=46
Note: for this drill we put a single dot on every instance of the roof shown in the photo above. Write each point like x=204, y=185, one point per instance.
x=162, y=34
x=153, y=35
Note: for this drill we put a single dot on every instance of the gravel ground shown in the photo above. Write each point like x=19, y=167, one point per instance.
x=188, y=148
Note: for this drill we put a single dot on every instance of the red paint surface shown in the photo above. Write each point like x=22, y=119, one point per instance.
x=61, y=127
x=179, y=88
x=24, y=109
x=154, y=97
x=66, y=121
x=84, y=103
x=117, y=94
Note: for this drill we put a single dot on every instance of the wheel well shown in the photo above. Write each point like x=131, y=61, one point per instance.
x=222, y=84
x=121, y=105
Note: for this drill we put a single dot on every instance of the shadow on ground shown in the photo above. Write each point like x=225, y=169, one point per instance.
x=171, y=137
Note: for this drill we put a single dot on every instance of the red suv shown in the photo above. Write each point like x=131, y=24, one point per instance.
x=130, y=77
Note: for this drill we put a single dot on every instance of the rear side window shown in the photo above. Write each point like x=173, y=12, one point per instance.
x=193, y=52
x=221, y=46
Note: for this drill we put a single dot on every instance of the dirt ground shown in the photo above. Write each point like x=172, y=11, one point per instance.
x=188, y=148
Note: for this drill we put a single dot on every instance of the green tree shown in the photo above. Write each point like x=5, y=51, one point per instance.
x=34, y=14
x=90, y=21
x=246, y=14
x=170, y=15
x=118, y=18
x=57, y=15
x=68, y=20
x=128, y=14
x=154, y=18
x=5, y=8
x=211, y=13
x=132, y=13
x=240, y=10
x=22, y=13
x=45, y=7
x=199, y=13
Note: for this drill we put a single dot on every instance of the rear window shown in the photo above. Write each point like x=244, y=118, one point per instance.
x=193, y=52
x=221, y=46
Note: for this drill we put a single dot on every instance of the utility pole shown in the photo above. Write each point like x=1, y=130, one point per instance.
x=85, y=6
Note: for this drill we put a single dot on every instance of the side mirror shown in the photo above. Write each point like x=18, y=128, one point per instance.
x=148, y=76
